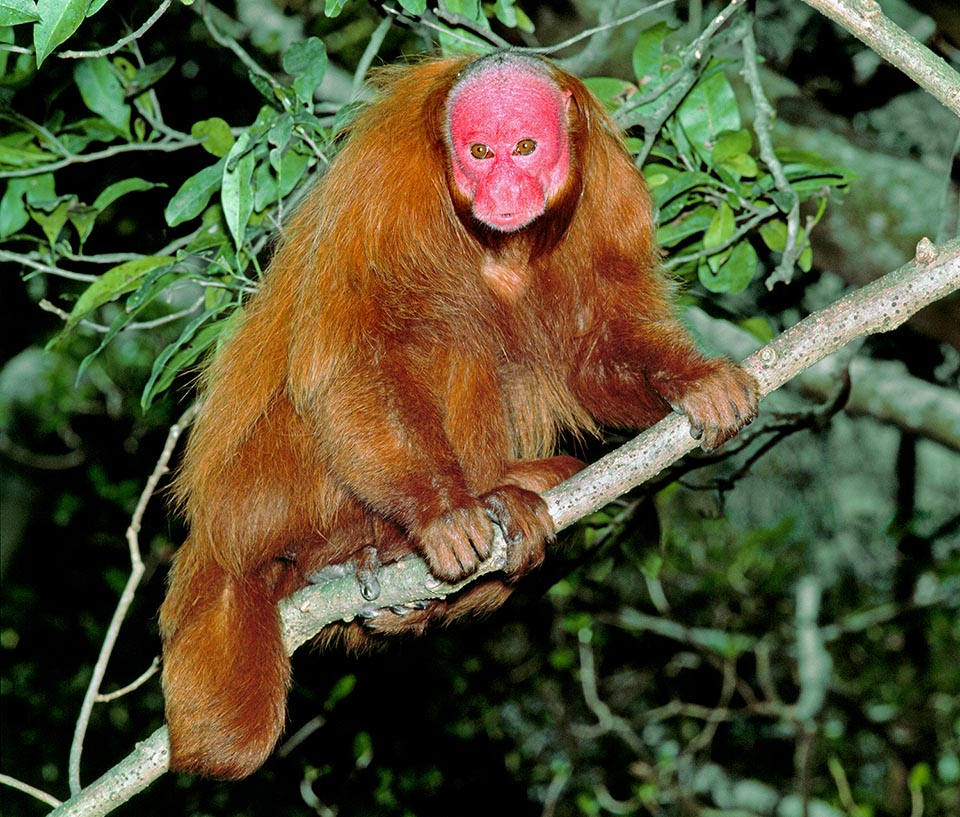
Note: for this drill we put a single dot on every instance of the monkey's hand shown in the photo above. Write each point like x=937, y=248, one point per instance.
x=719, y=404
x=455, y=543
x=526, y=524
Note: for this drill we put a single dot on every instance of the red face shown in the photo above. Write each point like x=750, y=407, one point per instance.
x=507, y=128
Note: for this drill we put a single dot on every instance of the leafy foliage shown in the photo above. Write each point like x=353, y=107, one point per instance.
x=712, y=192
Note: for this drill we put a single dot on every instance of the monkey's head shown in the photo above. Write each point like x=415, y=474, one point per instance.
x=507, y=124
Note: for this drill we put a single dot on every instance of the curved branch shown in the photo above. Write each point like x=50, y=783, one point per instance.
x=878, y=307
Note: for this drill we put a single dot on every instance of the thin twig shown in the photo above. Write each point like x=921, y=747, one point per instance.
x=763, y=125
x=168, y=146
x=131, y=37
x=126, y=598
x=26, y=788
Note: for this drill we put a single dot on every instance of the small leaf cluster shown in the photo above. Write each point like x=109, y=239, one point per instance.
x=715, y=196
x=228, y=209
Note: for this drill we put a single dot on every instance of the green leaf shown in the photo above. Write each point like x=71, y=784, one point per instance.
x=610, y=91
x=84, y=217
x=236, y=192
x=341, y=689
x=278, y=136
x=504, y=11
x=648, y=54
x=919, y=776
x=774, y=234
x=721, y=228
x=693, y=222
x=148, y=76
x=115, y=282
x=680, y=183
x=741, y=165
x=102, y=92
x=15, y=12
x=15, y=156
x=332, y=8
x=732, y=153
x=110, y=194
x=307, y=61
x=13, y=210
x=416, y=7
x=215, y=135
x=155, y=282
x=734, y=272
x=760, y=328
x=264, y=187
x=731, y=143
x=292, y=168
x=197, y=336
x=52, y=216
x=709, y=109
x=58, y=20
x=468, y=8
x=194, y=194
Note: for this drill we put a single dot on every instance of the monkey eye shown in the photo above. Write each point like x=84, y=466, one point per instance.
x=479, y=151
x=525, y=147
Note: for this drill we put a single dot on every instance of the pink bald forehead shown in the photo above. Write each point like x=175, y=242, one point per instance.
x=505, y=95
x=499, y=102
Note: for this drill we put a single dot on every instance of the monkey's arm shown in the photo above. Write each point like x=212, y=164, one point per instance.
x=635, y=370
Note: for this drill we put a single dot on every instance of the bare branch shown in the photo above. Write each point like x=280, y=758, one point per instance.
x=126, y=599
x=866, y=21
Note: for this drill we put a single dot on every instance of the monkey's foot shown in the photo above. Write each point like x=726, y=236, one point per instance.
x=366, y=569
x=413, y=617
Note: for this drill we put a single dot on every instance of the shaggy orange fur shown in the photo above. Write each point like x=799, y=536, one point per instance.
x=399, y=380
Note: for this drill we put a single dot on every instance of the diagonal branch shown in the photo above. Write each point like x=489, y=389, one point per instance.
x=878, y=307
x=867, y=22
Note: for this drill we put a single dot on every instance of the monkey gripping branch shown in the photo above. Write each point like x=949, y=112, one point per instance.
x=880, y=306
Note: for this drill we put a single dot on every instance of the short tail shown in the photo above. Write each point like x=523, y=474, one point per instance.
x=225, y=670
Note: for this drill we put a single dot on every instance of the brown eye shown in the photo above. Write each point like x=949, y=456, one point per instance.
x=525, y=147
x=479, y=151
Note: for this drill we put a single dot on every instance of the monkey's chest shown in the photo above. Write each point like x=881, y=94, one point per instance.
x=507, y=281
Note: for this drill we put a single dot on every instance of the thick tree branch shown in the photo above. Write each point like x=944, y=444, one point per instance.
x=866, y=21
x=878, y=307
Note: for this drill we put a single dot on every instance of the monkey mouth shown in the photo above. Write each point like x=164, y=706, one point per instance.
x=509, y=222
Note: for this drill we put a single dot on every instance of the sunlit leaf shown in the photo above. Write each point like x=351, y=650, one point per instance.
x=194, y=194
x=709, y=109
x=236, y=193
x=721, y=227
x=58, y=20
x=16, y=12
x=215, y=135
x=307, y=61
x=102, y=92
x=115, y=282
